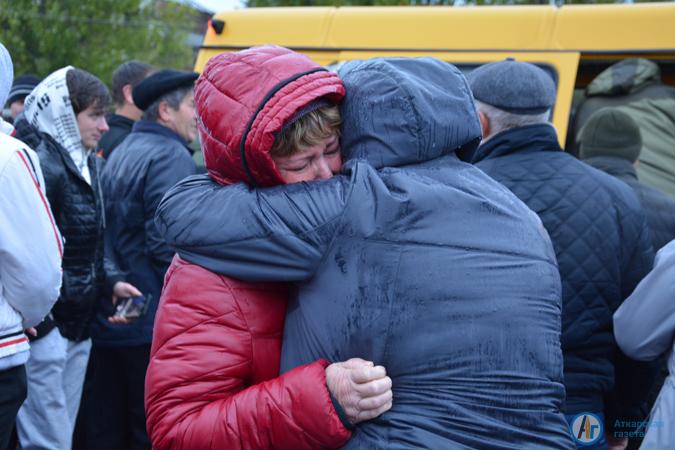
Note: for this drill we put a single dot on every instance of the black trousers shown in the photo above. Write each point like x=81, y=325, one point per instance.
x=112, y=413
x=13, y=391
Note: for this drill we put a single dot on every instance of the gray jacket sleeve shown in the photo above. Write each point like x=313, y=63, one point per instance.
x=273, y=234
x=645, y=322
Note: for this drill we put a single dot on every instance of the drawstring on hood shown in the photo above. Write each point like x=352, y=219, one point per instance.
x=244, y=99
x=48, y=108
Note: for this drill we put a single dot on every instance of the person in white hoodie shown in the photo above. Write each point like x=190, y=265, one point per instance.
x=644, y=327
x=30, y=258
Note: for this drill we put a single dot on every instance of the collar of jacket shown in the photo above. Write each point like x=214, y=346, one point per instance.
x=6, y=128
x=115, y=120
x=70, y=164
x=33, y=137
x=527, y=139
x=617, y=167
x=147, y=126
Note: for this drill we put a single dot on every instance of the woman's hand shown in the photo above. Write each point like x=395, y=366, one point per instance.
x=362, y=389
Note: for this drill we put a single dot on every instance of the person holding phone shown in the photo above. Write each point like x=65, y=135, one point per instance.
x=151, y=159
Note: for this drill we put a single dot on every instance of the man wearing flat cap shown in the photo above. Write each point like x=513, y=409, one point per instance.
x=150, y=160
x=598, y=230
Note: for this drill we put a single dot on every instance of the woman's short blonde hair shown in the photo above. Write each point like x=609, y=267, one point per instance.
x=307, y=131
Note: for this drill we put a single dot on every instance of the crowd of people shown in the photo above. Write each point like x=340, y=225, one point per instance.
x=392, y=256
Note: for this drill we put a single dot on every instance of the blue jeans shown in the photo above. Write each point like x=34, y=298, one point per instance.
x=586, y=427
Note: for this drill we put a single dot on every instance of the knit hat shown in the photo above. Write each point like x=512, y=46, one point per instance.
x=160, y=83
x=22, y=86
x=610, y=132
x=513, y=86
x=6, y=74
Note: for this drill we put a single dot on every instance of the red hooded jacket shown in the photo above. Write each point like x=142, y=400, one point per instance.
x=213, y=380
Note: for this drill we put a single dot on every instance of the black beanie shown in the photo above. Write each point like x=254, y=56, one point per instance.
x=610, y=132
x=21, y=87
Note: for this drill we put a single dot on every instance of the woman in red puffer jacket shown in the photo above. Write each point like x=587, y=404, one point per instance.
x=267, y=116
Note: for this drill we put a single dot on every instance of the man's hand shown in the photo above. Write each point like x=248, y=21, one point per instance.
x=122, y=290
x=361, y=388
x=614, y=443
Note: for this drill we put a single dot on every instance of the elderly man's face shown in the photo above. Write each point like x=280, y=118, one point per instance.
x=183, y=120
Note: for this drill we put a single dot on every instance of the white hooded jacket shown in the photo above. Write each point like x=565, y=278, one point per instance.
x=30, y=244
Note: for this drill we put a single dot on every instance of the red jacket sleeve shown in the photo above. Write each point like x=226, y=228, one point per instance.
x=197, y=393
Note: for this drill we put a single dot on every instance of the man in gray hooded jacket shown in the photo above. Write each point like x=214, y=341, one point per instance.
x=412, y=258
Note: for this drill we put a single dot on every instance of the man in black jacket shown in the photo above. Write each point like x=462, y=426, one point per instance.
x=611, y=141
x=63, y=121
x=124, y=79
x=598, y=230
x=150, y=160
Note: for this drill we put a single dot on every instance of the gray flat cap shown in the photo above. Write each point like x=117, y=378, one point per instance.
x=513, y=86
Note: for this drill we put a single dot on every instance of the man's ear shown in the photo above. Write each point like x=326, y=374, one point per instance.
x=126, y=91
x=484, y=124
x=164, y=113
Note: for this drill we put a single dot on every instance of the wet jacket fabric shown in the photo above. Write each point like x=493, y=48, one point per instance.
x=644, y=326
x=392, y=264
x=603, y=248
x=213, y=379
x=657, y=206
x=634, y=86
x=119, y=128
x=144, y=166
x=78, y=211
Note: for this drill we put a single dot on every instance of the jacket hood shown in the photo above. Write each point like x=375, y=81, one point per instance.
x=243, y=99
x=401, y=111
x=6, y=74
x=49, y=109
x=624, y=77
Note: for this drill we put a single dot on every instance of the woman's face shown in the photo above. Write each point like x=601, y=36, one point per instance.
x=318, y=162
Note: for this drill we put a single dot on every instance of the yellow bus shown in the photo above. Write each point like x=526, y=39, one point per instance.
x=574, y=43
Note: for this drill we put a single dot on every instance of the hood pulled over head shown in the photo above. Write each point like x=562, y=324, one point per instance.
x=6, y=74
x=401, y=111
x=243, y=99
x=624, y=77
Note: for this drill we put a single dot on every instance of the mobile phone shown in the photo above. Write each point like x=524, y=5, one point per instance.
x=131, y=308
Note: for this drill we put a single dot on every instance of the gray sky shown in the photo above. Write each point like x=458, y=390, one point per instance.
x=220, y=5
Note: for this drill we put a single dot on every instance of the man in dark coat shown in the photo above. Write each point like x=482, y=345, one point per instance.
x=151, y=159
x=598, y=230
x=124, y=79
x=611, y=141
x=412, y=259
